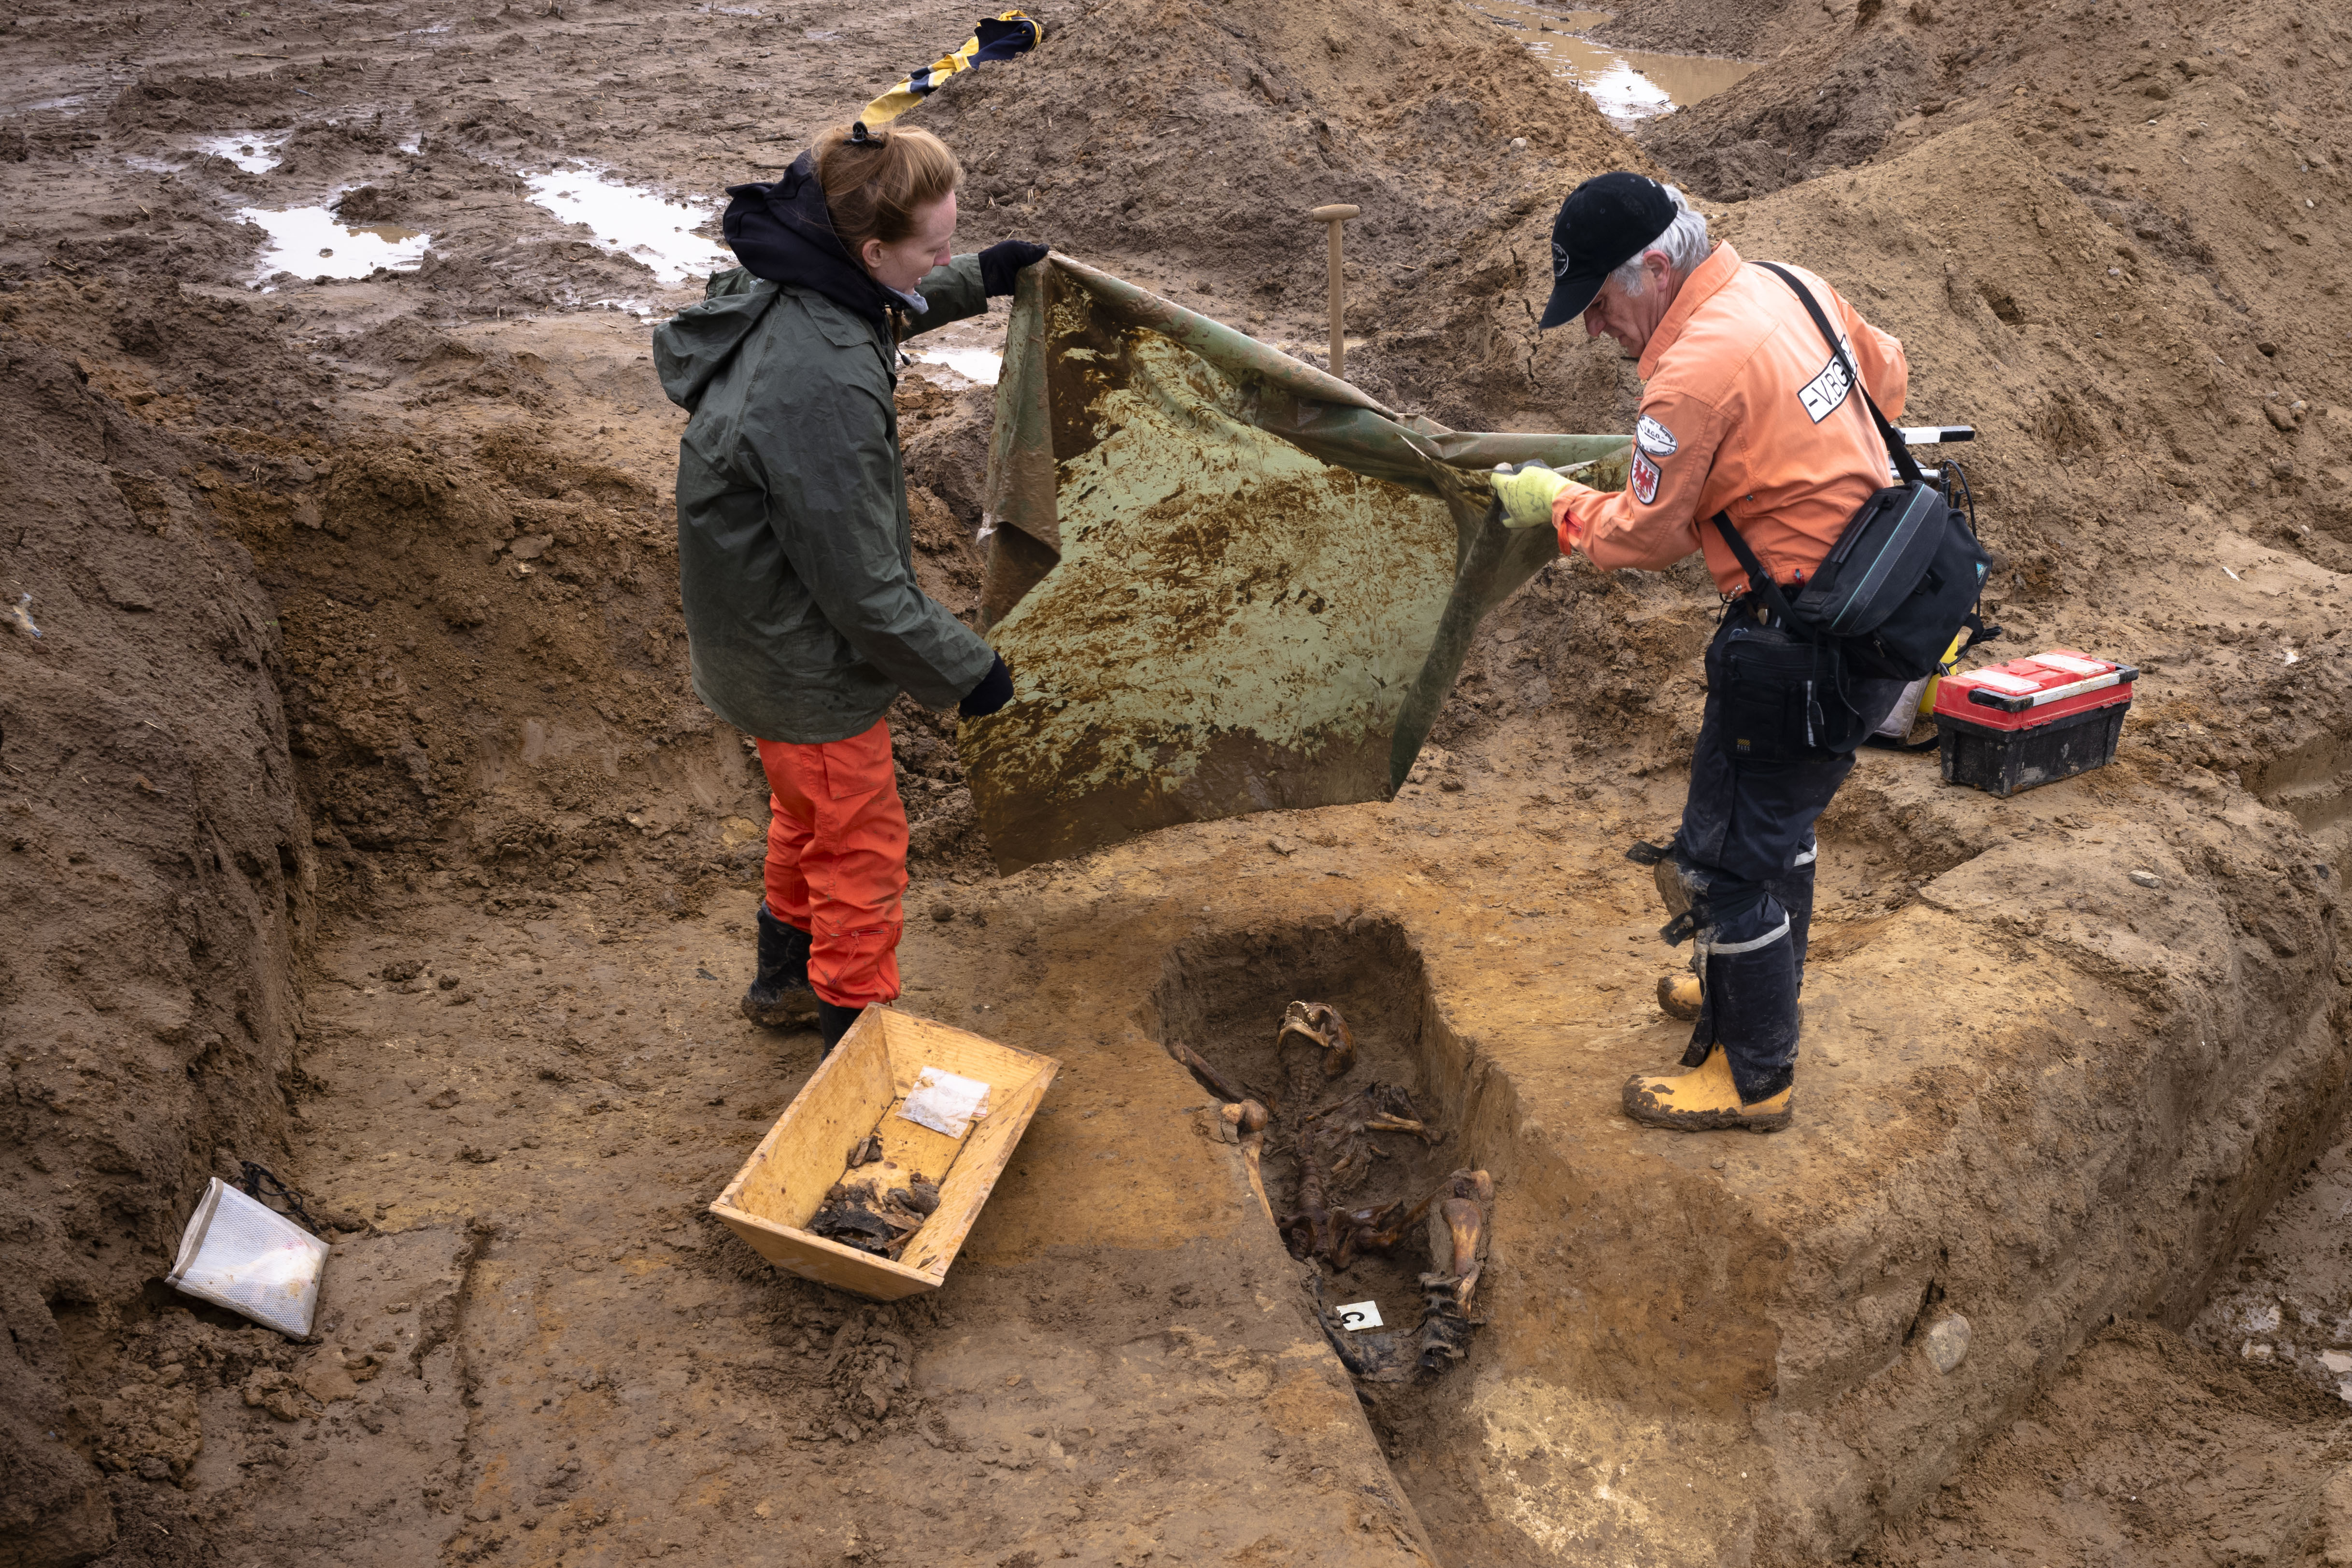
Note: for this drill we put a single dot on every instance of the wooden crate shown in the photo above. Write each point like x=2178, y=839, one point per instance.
x=854, y=1091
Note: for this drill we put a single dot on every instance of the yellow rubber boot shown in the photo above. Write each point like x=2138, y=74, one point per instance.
x=1703, y=1099
x=1678, y=995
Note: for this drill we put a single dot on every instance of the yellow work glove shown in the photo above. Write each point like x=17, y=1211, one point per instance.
x=1526, y=494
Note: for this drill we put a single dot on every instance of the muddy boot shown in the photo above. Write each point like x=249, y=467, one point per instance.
x=780, y=997
x=1703, y=1099
x=832, y=1022
x=1678, y=995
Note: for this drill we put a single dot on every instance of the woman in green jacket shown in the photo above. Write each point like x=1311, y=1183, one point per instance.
x=795, y=549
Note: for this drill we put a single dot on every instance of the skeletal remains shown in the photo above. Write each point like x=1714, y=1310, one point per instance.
x=1332, y=1146
x=877, y=1213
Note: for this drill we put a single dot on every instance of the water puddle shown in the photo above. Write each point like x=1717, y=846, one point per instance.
x=1628, y=85
x=631, y=221
x=254, y=155
x=312, y=242
x=972, y=364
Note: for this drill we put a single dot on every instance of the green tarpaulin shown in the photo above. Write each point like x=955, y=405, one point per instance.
x=1226, y=581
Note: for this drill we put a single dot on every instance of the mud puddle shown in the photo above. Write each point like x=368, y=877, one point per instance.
x=971, y=351
x=1629, y=86
x=256, y=154
x=312, y=242
x=980, y=365
x=629, y=220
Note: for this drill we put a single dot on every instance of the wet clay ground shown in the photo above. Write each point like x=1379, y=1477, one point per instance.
x=1122, y=1362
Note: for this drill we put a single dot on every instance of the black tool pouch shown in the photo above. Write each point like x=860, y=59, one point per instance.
x=1781, y=698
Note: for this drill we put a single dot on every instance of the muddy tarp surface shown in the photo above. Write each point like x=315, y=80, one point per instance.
x=1225, y=581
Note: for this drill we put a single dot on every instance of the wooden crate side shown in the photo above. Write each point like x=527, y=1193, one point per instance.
x=804, y=1153
x=986, y=1150
x=826, y=1262
x=919, y=1042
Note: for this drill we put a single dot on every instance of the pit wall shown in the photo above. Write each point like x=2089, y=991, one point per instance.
x=2037, y=1103
x=162, y=883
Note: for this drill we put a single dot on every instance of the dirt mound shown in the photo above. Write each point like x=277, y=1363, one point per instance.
x=1190, y=166
x=1733, y=27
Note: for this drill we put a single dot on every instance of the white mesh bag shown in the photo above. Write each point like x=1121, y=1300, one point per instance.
x=240, y=1254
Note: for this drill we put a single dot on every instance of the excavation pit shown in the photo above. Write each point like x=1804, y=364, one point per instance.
x=1227, y=999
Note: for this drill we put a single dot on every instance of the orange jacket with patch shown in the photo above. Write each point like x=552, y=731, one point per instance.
x=1744, y=409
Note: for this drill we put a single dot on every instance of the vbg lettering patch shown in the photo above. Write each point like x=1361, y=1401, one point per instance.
x=1823, y=395
x=1653, y=438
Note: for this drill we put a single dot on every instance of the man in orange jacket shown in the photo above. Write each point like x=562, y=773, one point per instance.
x=1748, y=414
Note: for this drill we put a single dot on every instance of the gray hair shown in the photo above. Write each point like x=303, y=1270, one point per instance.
x=1684, y=244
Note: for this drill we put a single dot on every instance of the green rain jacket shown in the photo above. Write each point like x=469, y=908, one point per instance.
x=795, y=553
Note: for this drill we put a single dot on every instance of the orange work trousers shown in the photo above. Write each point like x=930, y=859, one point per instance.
x=837, y=861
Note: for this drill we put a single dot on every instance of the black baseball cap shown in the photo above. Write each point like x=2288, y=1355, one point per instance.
x=1605, y=222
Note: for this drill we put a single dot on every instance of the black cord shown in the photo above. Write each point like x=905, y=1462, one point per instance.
x=1966, y=496
x=256, y=1175
x=1979, y=632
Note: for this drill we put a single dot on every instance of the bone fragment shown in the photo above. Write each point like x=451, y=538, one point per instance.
x=1453, y=1232
x=1457, y=1236
x=1382, y=1121
x=1208, y=1077
x=1249, y=1119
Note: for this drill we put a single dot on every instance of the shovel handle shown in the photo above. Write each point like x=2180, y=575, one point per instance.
x=1334, y=215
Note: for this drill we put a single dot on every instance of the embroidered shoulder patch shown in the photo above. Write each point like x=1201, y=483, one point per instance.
x=1644, y=480
x=1653, y=438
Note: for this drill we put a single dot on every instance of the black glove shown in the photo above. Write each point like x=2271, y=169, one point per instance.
x=1000, y=262
x=995, y=688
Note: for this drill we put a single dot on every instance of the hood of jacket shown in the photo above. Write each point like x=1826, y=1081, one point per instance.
x=693, y=346
x=783, y=232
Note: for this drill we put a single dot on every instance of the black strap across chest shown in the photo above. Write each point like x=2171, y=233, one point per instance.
x=1897, y=450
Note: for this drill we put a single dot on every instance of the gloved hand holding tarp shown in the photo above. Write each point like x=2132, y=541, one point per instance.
x=1225, y=582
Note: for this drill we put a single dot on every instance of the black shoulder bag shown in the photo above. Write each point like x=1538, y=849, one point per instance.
x=1901, y=578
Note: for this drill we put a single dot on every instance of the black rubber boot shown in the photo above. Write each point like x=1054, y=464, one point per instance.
x=832, y=1022
x=780, y=996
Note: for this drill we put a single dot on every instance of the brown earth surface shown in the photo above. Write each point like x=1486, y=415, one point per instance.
x=363, y=823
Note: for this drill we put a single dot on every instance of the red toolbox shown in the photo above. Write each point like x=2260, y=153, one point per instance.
x=2031, y=721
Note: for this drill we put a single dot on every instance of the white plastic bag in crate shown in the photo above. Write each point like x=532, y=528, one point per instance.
x=244, y=1256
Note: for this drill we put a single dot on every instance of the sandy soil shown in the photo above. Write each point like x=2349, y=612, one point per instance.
x=365, y=825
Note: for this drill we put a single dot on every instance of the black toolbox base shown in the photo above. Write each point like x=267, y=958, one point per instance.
x=2005, y=761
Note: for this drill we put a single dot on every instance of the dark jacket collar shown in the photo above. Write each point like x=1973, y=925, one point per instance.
x=783, y=233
